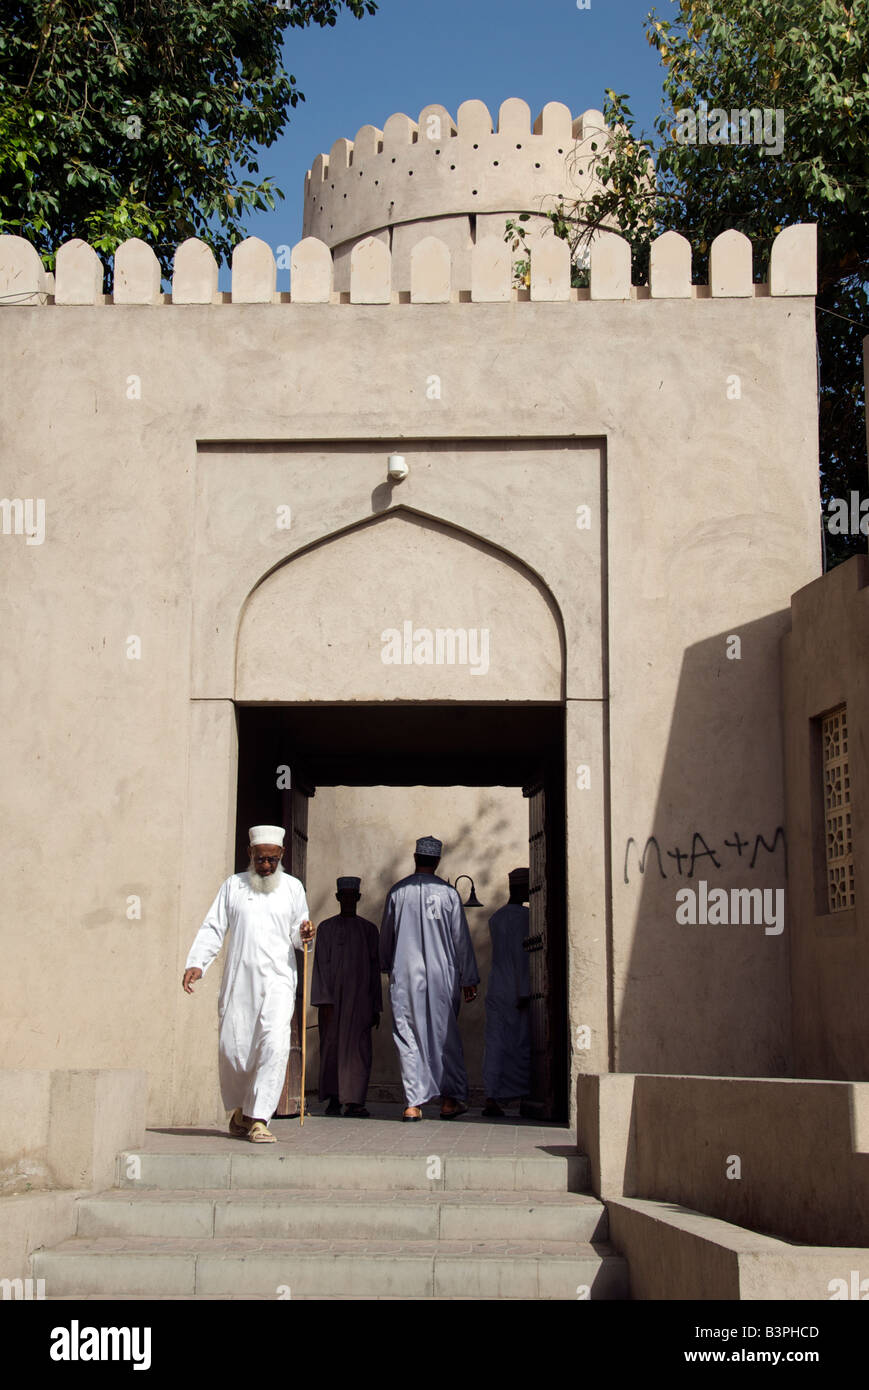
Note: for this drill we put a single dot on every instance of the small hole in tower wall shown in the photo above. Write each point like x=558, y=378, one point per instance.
x=518, y=147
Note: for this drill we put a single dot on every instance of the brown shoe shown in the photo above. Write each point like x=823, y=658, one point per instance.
x=492, y=1110
x=450, y=1110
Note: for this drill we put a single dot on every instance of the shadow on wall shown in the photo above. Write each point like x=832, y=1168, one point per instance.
x=371, y=832
x=709, y=998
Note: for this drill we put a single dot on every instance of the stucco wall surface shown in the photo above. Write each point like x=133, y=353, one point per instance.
x=125, y=787
x=825, y=664
x=786, y=1157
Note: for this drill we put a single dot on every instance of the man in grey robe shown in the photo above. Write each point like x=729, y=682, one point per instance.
x=426, y=949
x=345, y=986
x=507, y=1055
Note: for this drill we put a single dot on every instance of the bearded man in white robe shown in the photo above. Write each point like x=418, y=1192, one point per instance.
x=266, y=914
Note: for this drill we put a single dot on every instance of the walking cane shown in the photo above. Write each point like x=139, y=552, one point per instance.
x=304, y=1029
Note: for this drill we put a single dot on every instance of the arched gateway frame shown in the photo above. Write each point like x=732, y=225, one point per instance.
x=410, y=616
x=404, y=649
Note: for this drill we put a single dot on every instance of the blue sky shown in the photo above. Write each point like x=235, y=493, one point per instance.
x=415, y=52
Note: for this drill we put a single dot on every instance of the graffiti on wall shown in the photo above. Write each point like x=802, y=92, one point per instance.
x=725, y=851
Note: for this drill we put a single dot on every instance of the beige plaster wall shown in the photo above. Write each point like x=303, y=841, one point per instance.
x=481, y=534
x=370, y=832
x=708, y=525
x=366, y=610
x=675, y=1253
x=63, y=1134
x=66, y=1127
x=826, y=664
x=787, y=1157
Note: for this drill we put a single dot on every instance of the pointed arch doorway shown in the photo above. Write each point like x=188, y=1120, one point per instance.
x=404, y=652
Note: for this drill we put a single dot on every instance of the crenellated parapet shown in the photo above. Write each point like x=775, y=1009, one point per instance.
x=452, y=177
x=486, y=277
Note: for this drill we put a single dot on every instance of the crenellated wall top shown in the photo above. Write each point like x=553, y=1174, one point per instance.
x=78, y=278
x=437, y=166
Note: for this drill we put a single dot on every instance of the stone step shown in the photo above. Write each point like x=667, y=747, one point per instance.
x=212, y=1267
x=272, y=1166
x=259, y=1298
x=348, y=1215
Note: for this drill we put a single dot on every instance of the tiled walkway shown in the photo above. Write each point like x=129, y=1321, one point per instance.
x=383, y=1133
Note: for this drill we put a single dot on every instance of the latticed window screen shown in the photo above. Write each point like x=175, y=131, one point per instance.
x=837, y=811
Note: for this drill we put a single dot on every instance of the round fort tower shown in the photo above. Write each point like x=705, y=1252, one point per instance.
x=458, y=180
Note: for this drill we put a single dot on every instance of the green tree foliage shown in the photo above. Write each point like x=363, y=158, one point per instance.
x=122, y=118
x=809, y=61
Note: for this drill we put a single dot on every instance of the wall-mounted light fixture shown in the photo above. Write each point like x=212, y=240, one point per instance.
x=473, y=900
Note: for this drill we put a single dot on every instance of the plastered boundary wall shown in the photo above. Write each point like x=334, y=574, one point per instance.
x=801, y=1149
x=825, y=663
x=104, y=752
x=64, y=1132
x=674, y=1253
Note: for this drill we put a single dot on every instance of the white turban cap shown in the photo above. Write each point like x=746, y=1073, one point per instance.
x=267, y=835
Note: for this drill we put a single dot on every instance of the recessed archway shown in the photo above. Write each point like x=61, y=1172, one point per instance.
x=388, y=656
x=400, y=608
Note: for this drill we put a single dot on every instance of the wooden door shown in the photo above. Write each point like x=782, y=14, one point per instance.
x=540, y=1102
x=295, y=822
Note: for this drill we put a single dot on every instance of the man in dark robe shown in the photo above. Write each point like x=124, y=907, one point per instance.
x=346, y=989
x=507, y=1055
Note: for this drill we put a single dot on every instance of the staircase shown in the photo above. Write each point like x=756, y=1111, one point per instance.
x=272, y=1222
